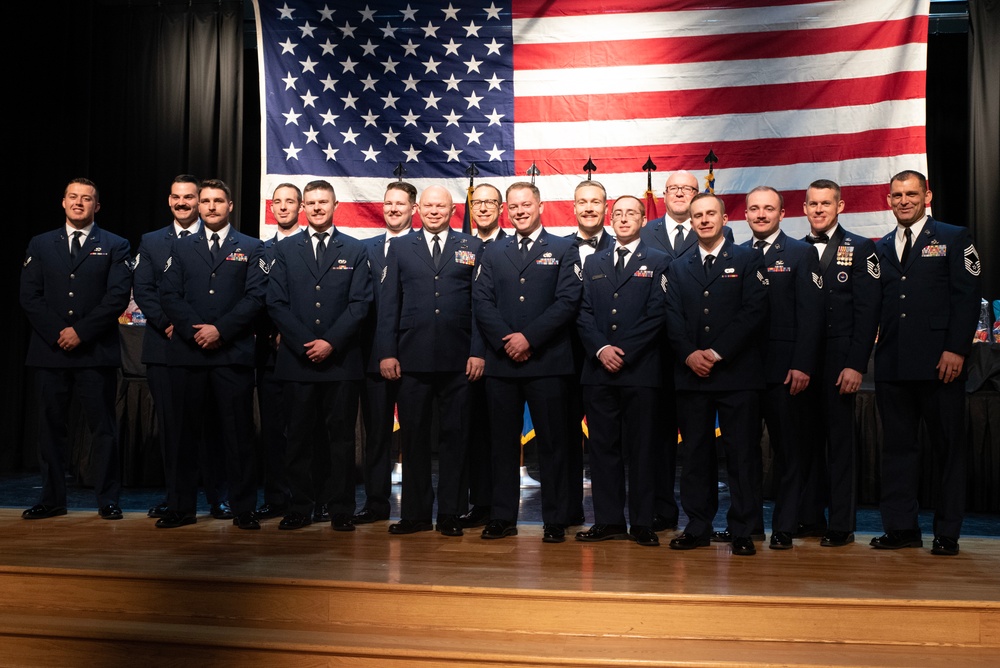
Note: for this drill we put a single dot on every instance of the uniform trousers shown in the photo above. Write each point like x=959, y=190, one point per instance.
x=418, y=395
x=739, y=426
x=319, y=461
x=784, y=415
x=901, y=405
x=623, y=442
x=378, y=407
x=555, y=433
x=217, y=400
x=94, y=388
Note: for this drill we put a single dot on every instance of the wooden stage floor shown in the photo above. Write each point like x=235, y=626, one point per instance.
x=818, y=603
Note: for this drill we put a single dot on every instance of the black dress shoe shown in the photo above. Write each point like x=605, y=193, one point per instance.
x=553, y=533
x=110, y=512
x=577, y=521
x=688, y=542
x=321, y=513
x=661, y=523
x=644, y=536
x=944, y=545
x=722, y=536
x=41, y=511
x=247, y=520
x=810, y=530
x=294, y=520
x=479, y=516
x=600, y=532
x=499, y=529
x=342, y=522
x=894, y=540
x=448, y=525
x=368, y=516
x=837, y=539
x=158, y=511
x=781, y=540
x=172, y=520
x=269, y=510
x=221, y=511
x=742, y=546
x=403, y=527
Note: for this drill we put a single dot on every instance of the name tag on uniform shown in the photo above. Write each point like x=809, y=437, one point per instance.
x=934, y=250
x=465, y=257
x=237, y=257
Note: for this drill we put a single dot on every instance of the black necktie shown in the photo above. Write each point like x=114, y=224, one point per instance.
x=709, y=261
x=760, y=244
x=76, y=246
x=820, y=238
x=679, y=239
x=524, y=246
x=592, y=242
x=321, y=248
x=436, y=252
x=906, y=247
x=214, y=248
x=184, y=233
x=620, y=265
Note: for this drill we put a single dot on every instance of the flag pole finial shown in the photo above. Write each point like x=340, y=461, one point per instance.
x=710, y=159
x=590, y=168
x=533, y=172
x=472, y=172
x=399, y=172
x=649, y=168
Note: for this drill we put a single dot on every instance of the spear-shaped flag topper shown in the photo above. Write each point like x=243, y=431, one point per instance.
x=649, y=168
x=590, y=168
x=533, y=172
x=472, y=172
x=711, y=159
x=399, y=172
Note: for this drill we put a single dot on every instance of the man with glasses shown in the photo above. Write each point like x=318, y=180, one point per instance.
x=526, y=295
x=673, y=233
x=486, y=206
x=620, y=321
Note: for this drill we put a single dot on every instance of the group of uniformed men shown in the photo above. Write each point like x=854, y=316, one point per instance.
x=653, y=328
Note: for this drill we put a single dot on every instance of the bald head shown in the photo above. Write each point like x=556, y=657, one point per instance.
x=436, y=207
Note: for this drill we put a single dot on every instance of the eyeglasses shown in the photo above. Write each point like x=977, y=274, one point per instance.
x=630, y=214
x=687, y=190
x=488, y=203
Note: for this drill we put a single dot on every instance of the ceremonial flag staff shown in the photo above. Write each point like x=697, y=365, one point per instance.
x=590, y=168
x=472, y=172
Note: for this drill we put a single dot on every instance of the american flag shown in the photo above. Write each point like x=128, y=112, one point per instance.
x=782, y=92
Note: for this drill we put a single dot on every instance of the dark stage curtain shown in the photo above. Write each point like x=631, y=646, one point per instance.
x=128, y=93
x=984, y=139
